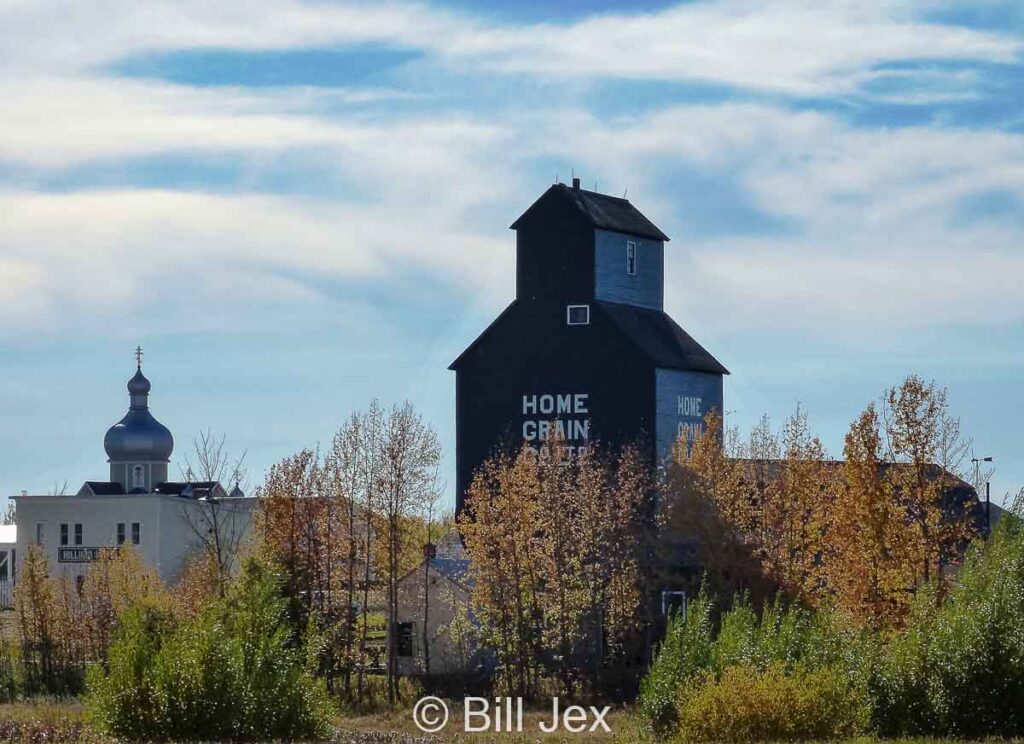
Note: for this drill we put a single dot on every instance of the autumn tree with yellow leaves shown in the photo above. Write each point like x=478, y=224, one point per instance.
x=557, y=540
x=863, y=533
x=873, y=558
x=65, y=625
x=924, y=443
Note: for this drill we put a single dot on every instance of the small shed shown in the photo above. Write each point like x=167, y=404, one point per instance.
x=435, y=595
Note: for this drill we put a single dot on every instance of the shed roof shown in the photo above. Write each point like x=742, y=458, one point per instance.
x=104, y=488
x=661, y=339
x=601, y=210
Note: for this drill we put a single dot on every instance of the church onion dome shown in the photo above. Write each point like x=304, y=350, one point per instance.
x=139, y=385
x=138, y=437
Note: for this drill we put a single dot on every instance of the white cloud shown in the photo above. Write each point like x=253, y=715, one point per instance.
x=56, y=122
x=867, y=203
x=806, y=47
x=877, y=235
x=69, y=257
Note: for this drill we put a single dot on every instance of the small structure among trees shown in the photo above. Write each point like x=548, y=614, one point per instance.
x=435, y=632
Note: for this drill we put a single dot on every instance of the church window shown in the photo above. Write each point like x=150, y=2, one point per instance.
x=630, y=257
x=577, y=315
x=63, y=533
x=136, y=533
x=138, y=477
x=120, y=533
x=78, y=533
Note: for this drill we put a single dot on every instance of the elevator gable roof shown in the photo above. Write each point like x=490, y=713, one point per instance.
x=602, y=211
x=652, y=332
x=661, y=338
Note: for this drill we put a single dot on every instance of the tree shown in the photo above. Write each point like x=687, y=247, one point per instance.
x=795, y=511
x=460, y=630
x=34, y=601
x=114, y=582
x=924, y=442
x=217, y=524
x=428, y=511
x=711, y=506
x=410, y=454
x=755, y=511
x=614, y=502
x=9, y=512
x=873, y=557
x=287, y=505
x=557, y=546
x=368, y=472
x=342, y=475
x=500, y=529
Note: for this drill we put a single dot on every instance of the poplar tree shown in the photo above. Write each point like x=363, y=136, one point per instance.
x=872, y=563
x=500, y=529
x=711, y=506
x=410, y=453
x=796, y=513
x=924, y=442
x=557, y=541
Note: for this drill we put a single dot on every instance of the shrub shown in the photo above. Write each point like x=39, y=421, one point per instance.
x=774, y=705
x=959, y=670
x=232, y=672
x=788, y=637
x=685, y=652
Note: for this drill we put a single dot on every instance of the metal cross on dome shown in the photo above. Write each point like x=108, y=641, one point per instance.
x=138, y=357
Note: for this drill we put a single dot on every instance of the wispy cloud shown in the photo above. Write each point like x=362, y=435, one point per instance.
x=803, y=47
x=876, y=238
x=101, y=251
x=408, y=187
x=830, y=134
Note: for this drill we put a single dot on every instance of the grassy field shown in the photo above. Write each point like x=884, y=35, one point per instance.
x=61, y=721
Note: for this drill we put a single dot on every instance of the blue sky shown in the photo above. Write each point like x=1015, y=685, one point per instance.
x=296, y=205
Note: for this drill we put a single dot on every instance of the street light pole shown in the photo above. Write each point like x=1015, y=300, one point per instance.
x=988, y=491
x=988, y=506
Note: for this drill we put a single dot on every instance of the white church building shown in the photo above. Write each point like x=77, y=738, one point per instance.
x=165, y=521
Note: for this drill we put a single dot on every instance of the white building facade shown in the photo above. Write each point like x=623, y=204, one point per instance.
x=167, y=522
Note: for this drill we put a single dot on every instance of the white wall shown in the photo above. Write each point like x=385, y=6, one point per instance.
x=446, y=657
x=166, y=540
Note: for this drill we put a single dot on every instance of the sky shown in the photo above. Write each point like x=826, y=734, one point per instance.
x=296, y=206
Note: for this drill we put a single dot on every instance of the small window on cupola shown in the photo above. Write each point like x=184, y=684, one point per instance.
x=630, y=258
x=138, y=477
